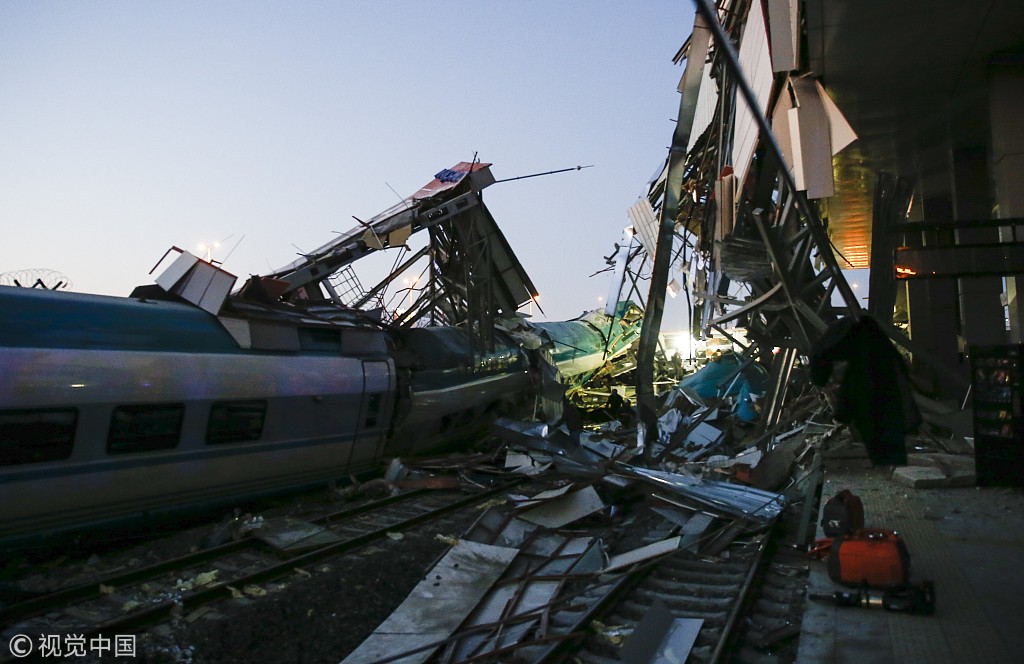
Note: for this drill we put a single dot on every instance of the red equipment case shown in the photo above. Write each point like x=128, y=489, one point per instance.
x=878, y=558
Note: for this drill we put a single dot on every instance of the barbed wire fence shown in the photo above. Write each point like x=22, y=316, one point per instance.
x=36, y=278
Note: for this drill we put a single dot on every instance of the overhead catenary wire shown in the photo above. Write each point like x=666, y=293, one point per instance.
x=537, y=175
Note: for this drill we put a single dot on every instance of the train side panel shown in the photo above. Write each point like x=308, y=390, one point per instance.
x=154, y=430
x=437, y=415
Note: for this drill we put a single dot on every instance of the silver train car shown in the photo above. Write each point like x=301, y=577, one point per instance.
x=117, y=408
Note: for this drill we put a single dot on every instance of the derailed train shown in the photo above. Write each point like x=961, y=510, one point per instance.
x=114, y=408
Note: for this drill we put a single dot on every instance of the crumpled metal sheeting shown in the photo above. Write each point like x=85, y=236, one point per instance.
x=554, y=446
x=732, y=499
x=518, y=429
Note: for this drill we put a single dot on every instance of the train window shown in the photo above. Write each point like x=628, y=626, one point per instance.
x=320, y=340
x=145, y=428
x=372, y=410
x=363, y=342
x=236, y=421
x=31, y=436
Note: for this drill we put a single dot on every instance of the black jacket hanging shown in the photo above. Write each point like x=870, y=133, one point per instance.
x=875, y=394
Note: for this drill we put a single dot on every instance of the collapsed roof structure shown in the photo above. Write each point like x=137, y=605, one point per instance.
x=796, y=133
x=728, y=191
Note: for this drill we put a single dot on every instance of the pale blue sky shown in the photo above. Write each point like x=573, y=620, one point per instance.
x=128, y=127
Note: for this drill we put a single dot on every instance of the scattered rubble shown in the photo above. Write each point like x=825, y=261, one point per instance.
x=712, y=475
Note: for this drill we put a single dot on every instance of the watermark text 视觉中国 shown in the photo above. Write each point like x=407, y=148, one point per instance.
x=72, y=645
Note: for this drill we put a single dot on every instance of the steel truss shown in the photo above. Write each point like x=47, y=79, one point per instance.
x=774, y=243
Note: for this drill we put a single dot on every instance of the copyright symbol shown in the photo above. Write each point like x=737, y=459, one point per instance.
x=21, y=645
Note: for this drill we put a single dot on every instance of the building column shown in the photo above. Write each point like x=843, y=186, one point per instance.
x=981, y=313
x=933, y=308
x=1006, y=99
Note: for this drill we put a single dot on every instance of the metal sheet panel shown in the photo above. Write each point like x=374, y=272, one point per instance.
x=564, y=510
x=815, y=139
x=447, y=179
x=436, y=607
x=707, y=100
x=641, y=214
x=786, y=125
x=756, y=63
x=511, y=602
x=784, y=19
x=840, y=132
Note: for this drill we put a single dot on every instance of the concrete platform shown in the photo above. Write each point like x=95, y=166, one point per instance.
x=969, y=541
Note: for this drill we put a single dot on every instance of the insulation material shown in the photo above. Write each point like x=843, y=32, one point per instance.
x=674, y=287
x=398, y=237
x=371, y=240
x=756, y=64
x=784, y=23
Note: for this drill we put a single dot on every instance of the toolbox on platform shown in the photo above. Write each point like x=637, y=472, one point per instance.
x=843, y=514
x=872, y=556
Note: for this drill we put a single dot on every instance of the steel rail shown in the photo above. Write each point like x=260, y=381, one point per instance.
x=167, y=609
x=92, y=588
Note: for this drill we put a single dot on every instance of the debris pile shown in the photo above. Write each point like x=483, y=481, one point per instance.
x=713, y=481
x=600, y=518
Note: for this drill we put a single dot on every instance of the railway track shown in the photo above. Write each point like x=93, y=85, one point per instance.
x=690, y=587
x=748, y=597
x=740, y=593
x=126, y=602
x=590, y=623
x=748, y=594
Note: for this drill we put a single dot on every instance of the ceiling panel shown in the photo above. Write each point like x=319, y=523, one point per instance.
x=910, y=76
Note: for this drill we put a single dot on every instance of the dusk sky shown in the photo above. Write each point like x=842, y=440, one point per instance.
x=129, y=127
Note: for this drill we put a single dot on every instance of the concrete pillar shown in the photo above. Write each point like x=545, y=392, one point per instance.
x=1006, y=99
x=933, y=307
x=981, y=313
